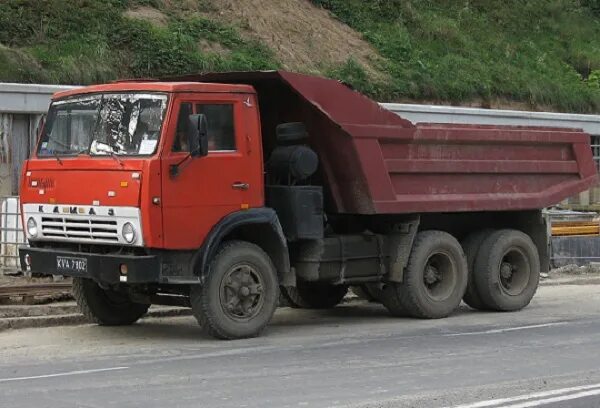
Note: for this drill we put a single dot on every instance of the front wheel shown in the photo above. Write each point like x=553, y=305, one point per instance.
x=104, y=306
x=240, y=293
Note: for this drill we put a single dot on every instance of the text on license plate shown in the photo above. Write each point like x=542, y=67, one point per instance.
x=71, y=264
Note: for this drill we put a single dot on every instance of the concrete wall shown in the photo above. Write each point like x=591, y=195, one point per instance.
x=18, y=132
x=21, y=108
x=452, y=114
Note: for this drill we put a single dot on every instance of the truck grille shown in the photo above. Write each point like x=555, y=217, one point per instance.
x=80, y=228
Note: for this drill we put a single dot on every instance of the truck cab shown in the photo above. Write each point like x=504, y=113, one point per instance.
x=110, y=151
x=219, y=191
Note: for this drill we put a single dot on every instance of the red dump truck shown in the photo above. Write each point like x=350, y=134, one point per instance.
x=219, y=191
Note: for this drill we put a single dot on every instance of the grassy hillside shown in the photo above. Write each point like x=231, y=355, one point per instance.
x=87, y=41
x=537, y=54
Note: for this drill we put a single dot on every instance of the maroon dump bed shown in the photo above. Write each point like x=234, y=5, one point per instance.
x=373, y=161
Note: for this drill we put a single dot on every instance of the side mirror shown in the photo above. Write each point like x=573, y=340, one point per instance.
x=197, y=134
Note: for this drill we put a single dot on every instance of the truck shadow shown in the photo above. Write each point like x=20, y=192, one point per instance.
x=353, y=313
x=357, y=315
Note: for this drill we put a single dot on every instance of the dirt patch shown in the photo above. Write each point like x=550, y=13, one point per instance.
x=213, y=47
x=303, y=37
x=186, y=5
x=149, y=14
x=590, y=269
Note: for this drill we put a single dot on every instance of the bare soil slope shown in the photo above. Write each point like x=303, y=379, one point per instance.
x=149, y=14
x=304, y=37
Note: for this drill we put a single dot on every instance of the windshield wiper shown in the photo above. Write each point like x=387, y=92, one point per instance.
x=116, y=157
x=112, y=154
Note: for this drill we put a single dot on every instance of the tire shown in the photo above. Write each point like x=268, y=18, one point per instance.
x=105, y=307
x=392, y=301
x=508, y=270
x=315, y=295
x=291, y=133
x=435, y=278
x=471, y=245
x=240, y=292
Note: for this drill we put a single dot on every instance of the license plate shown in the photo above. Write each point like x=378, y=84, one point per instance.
x=71, y=264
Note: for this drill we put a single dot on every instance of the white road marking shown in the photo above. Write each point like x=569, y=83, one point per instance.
x=222, y=353
x=547, y=401
x=508, y=329
x=541, y=394
x=68, y=373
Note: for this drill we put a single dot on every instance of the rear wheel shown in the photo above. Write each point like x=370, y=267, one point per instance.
x=240, y=293
x=434, y=280
x=508, y=270
x=106, y=307
x=315, y=295
x=471, y=245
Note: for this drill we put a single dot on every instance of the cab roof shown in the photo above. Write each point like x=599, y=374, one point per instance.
x=155, y=86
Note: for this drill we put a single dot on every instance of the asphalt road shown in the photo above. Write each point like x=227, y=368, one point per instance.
x=355, y=355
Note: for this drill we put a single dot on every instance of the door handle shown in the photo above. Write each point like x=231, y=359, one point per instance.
x=240, y=186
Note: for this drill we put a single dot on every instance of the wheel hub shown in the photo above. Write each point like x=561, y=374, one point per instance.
x=242, y=292
x=432, y=275
x=439, y=276
x=506, y=270
x=514, y=271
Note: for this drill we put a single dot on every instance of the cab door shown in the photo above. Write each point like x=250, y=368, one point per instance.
x=228, y=179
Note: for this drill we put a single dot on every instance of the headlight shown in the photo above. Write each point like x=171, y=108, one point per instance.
x=128, y=232
x=32, y=228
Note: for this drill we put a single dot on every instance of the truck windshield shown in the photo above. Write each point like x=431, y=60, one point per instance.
x=104, y=124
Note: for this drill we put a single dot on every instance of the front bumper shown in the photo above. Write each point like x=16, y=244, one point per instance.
x=104, y=269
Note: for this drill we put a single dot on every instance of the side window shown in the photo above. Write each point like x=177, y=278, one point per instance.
x=181, y=143
x=221, y=133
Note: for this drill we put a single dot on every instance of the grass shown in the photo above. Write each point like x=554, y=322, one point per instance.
x=541, y=53
x=545, y=53
x=93, y=41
